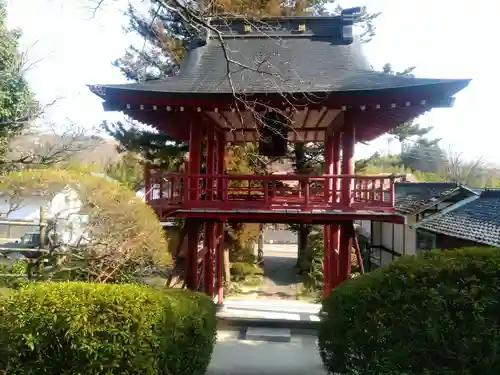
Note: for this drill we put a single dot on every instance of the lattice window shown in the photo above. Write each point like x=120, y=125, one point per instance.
x=425, y=241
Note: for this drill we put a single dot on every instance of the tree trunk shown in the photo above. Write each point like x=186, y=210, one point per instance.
x=260, y=245
x=227, y=268
x=302, y=255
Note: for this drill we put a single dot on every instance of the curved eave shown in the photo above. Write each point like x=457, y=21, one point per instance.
x=376, y=111
x=139, y=94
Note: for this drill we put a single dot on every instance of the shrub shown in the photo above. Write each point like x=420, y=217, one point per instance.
x=122, y=237
x=8, y=278
x=79, y=328
x=5, y=292
x=437, y=313
x=245, y=269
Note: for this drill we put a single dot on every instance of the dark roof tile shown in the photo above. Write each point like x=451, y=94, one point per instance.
x=477, y=221
x=317, y=62
x=414, y=197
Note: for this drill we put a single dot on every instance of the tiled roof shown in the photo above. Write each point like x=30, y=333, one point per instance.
x=414, y=197
x=280, y=59
x=477, y=221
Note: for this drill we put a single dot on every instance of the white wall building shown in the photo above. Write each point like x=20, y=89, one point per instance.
x=416, y=201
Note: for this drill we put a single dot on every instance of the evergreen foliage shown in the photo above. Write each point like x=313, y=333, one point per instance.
x=17, y=104
x=95, y=329
x=119, y=237
x=436, y=313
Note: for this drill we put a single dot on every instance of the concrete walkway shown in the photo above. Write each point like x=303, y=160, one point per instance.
x=251, y=355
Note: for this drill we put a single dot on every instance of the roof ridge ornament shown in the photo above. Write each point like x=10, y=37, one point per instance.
x=336, y=27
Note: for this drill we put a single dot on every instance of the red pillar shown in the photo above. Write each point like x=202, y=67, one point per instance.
x=219, y=263
x=192, y=255
x=195, y=139
x=348, y=141
x=347, y=165
x=345, y=251
x=208, y=261
x=221, y=154
x=336, y=163
x=219, y=250
x=328, y=168
x=210, y=161
x=194, y=162
x=327, y=244
x=335, y=228
x=334, y=257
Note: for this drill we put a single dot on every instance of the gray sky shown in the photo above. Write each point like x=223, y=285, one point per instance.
x=443, y=39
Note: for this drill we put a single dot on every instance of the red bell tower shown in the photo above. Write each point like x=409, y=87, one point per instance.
x=315, y=78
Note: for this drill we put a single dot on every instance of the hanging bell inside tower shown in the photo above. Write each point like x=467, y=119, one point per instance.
x=273, y=135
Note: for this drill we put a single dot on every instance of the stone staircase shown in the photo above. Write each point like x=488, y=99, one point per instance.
x=277, y=314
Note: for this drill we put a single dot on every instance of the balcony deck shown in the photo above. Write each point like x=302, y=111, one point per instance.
x=299, y=197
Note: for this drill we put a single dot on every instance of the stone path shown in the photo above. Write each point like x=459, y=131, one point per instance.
x=265, y=351
x=281, y=279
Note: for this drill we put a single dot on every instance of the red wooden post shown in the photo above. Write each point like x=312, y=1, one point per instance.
x=221, y=153
x=330, y=194
x=306, y=184
x=195, y=139
x=160, y=183
x=208, y=260
x=220, y=263
x=334, y=257
x=345, y=243
x=147, y=182
x=392, y=198
x=373, y=194
x=348, y=141
x=328, y=168
x=193, y=170
x=171, y=186
x=266, y=193
x=210, y=163
x=192, y=255
x=345, y=252
x=335, y=228
x=336, y=164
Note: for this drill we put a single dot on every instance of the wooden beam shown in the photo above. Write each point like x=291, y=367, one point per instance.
x=336, y=124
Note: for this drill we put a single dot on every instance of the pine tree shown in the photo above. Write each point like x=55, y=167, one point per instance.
x=154, y=147
x=410, y=129
x=166, y=38
x=127, y=171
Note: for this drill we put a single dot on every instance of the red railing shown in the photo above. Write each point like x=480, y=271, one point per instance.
x=271, y=191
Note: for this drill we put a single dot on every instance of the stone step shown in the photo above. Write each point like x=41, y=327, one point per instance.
x=269, y=315
x=231, y=322
x=268, y=334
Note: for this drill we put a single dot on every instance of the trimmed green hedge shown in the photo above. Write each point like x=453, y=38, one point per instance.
x=434, y=314
x=5, y=292
x=80, y=328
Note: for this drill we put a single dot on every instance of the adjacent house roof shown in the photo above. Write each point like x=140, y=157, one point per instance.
x=415, y=197
x=477, y=221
